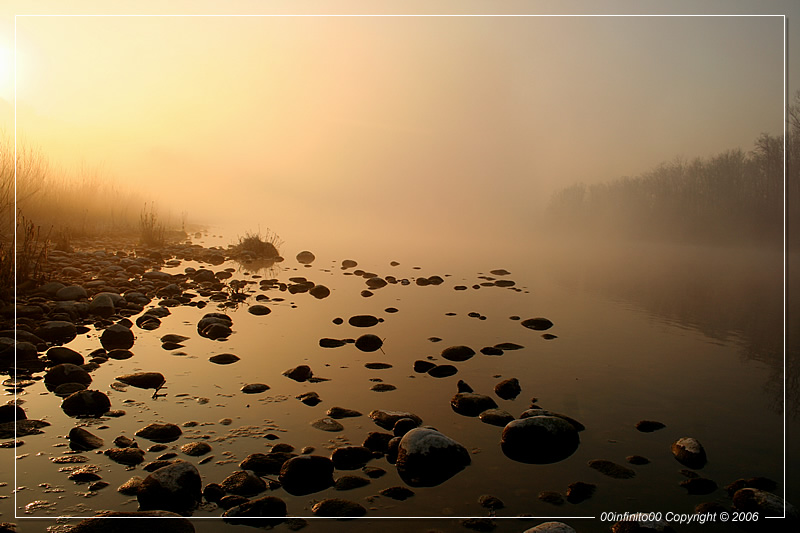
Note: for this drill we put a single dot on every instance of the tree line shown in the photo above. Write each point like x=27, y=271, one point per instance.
x=734, y=197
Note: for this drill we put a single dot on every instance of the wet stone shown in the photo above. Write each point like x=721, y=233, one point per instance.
x=327, y=424
x=471, y=404
x=442, y=371
x=377, y=366
x=350, y=457
x=363, y=321
x=309, y=398
x=496, y=417
x=647, y=426
x=490, y=502
x=399, y=493
x=612, y=469
x=259, y=310
x=482, y=525
x=491, y=350
x=551, y=497
x=67, y=389
x=160, y=432
x=243, y=483
x=539, y=440
x=373, y=472
x=86, y=403
x=196, y=449
x=336, y=507
x=143, y=380
x=299, y=373
x=254, y=388
x=421, y=366
x=224, y=359
x=637, y=460
x=331, y=343
x=580, y=491
x=383, y=387
x=84, y=475
x=387, y=419
x=458, y=353
x=126, y=456
x=508, y=389
x=81, y=439
x=131, y=487
x=351, y=482
x=266, y=463
x=341, y=412
x=689, y=452
x=152, y=466
x=306, y=474
x=538, y=323
x=509, y=346
x=369, y=343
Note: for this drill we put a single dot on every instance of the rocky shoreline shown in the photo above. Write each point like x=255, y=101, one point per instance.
x=124, y=294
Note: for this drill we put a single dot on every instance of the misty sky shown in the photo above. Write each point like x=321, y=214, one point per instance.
x=428, y=123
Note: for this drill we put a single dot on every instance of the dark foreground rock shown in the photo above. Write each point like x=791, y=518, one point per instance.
x=427, y=458
x=306, y=474
x=176, y=487
x=160, y=432
x=86, y=403
x=539, y=440
x=252, y=512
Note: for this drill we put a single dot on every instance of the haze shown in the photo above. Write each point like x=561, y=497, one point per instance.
x=461, y=126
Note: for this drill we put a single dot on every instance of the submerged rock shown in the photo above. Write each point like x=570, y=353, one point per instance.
x=458, y=353
x=689, y=452
x=426, y=458
x=471, y=404
x=539, y=440
x=369, y=343
x=538, y=323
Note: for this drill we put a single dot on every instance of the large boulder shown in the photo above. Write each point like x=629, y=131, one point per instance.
x=426, y=458
x=117, y=337
x=176, y=487
x=86, y=403
x=306, y=474
x=539, y=439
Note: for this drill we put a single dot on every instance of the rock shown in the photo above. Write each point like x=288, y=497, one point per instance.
x=309, y=398
x=382, y=387
x=306, y=474
x=508, y=389
x=471, y=404
x=327, y=424
x=397, y=493
x=551, y=527
x=363, y=321
x=539, y=440
x=341, y=412
x=67, y=389
x=458, y=353
x=537, y=323
x=491, y=350
x=82, y=440
x=86, y=403
x=426, y=458
x=215, y=326
x=490, y=502
x=761, y=483
x=766, y=504
x=580, y=491
x=351, y=482
x=243, y=483
x=544, y=412
x=637, y=460
x=160, y=432
x=175, y=487
x=496, y=417
x=305, y=257
x=125, y=442
x=117, y=337
x=403, y=426
x=266, y=463
x=126, y=456
x=102, y=305
x=61, y=354
x=110, y=522
x=73, y=292
x=647, y=426
x=689, y=452
x=483, y=525
x=552, y=497
x=442, y=371
x=131, y=487
x=319, y=292
x=259, y=310
x=143, y=380
x=369, y=343
x=423, y=366
x=336, y=507
x=254, y=388
x=196, y=449
x=378, y=441
x=612, y=469
x=331, y=343
x=10, y=413
x=508, y=346
x=266, y=506
x=299, y=373
x=58, y=331
x=348, y=263
x=350, y=457
x=387, y=419
x=224, y=358
x=66, y=373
